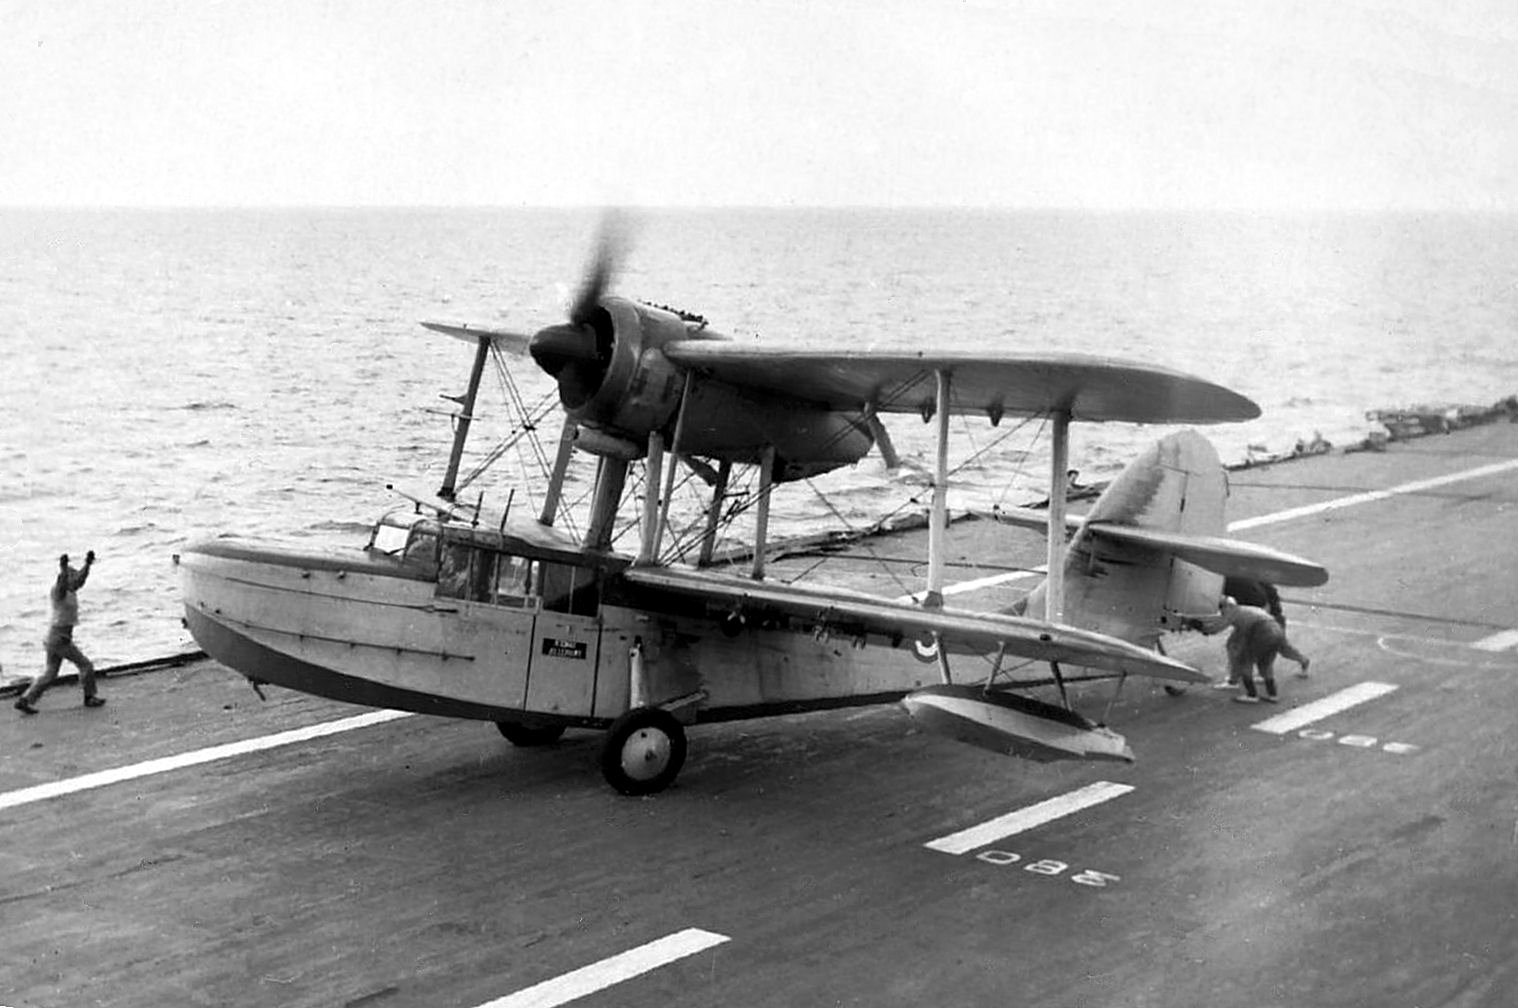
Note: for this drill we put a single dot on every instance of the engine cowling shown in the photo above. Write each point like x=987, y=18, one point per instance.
x=614, y=378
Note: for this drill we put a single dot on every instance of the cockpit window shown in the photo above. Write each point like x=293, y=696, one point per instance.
x=421, y=550
x=471, y=572
x=453, y=576
x=389, y=538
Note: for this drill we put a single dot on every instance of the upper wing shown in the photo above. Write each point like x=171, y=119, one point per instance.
x=1221, y=555
x=855, y=613
x=1088, y=387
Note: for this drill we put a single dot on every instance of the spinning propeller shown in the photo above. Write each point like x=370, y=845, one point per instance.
x=577, y=353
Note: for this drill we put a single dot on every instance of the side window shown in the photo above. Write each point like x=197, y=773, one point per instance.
x=513, y=580
x=483, y=575
x=570, y=590
x=453, y=578
x=421, y=551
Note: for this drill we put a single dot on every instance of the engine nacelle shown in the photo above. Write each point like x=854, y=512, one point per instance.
x=639, y=389
x=614, y=378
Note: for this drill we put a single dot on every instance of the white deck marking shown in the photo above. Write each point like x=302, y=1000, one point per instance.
x=1027, y=818
x=1375, y=495
x=600, y=975
x=1300, y=717
x=976, y=584
x=101, y=778
x=1497, y=641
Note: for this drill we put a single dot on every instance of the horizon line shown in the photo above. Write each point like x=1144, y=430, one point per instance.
x=1261, y=210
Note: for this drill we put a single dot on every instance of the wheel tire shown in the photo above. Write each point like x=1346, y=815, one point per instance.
x=1174, y=690
x=643, y=752
x=527, y=736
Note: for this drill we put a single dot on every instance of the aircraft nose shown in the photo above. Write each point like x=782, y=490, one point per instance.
x=560, y=346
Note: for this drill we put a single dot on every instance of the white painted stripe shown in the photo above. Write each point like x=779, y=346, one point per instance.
x=960, y=587
x=600, y=975
x=41, y=792
x=1497, y=641
x=1334, y=703
x=1375, y=495
x=976, y=584
x=1025, y=819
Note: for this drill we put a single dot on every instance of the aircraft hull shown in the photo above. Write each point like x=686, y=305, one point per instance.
x=349, y=627
x=344, y=626
x=241, y=651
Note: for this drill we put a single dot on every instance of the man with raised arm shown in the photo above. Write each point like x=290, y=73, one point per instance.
x=60, y=644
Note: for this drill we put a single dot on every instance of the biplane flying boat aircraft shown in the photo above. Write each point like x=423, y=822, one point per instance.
x=519, y=622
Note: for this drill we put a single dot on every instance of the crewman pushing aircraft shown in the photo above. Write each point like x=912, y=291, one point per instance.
x=1256, y=640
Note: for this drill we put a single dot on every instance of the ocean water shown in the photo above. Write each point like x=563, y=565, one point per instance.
x=171, y=375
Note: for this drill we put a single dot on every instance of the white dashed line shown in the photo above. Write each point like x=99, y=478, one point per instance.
x=1026, y=818
x=102, y=778
x=1497, y=642
x=1300, y=717
x=614, y=970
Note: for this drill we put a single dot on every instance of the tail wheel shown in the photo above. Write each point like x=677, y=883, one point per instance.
x=643, y=752
x=519, y=734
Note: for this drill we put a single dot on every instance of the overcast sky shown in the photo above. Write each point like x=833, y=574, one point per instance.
x=1092, y=103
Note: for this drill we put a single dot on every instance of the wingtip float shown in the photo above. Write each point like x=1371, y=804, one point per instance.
x=1014, y=725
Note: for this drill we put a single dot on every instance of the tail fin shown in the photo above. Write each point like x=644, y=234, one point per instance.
x=1153, y=550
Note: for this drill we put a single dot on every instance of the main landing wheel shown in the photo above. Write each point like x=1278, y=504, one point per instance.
x=643, y=752
x=519, y=734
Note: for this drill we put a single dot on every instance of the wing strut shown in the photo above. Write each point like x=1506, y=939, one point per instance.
x=1054, y=587
x=652, y=470
x=943, y=659
x=611, y=477
x=938, y=518
x=714, y=513
x=555, y=493
x=669, y=477
x=466, y=416
x=762, y=519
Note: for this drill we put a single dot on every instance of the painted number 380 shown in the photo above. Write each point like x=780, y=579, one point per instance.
x=1049, y=867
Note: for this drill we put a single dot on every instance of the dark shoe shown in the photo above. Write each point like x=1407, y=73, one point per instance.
x=24, y=706
x=94, y=701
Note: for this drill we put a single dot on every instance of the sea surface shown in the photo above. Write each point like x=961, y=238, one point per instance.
x=171, y=375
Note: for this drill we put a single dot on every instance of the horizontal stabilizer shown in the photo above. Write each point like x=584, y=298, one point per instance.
x=512, y=341
x=1221, y=555
x=1013, y=725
